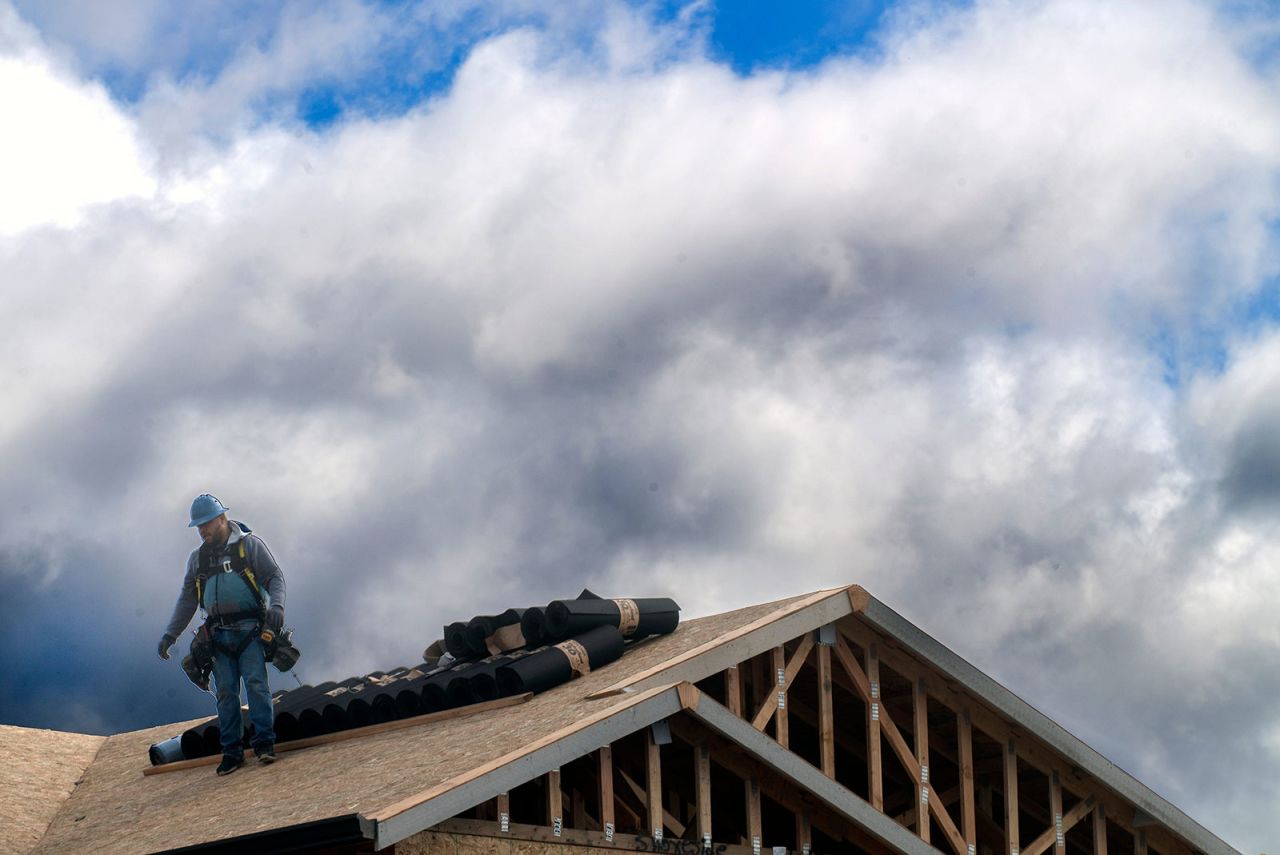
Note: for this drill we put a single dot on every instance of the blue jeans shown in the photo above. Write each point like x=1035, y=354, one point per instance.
x=228, y=671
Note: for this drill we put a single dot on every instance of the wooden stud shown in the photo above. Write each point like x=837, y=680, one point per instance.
x=826, y=722
x=968, y=820
x=504, y=811
x=1099, y=830
x=804, y=832
x=753, y=815
x=702, y=764
x=874, y=774
x=733, y=690
x=653, y=788
x=1139, y=841
x=1011, y=839
x=606, y=791
x=920, y=707
x=669, y=820
x=555, y=806
x=779, y=695
x=1055, y=814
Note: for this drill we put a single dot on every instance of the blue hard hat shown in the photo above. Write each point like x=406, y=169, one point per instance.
x=205, y=507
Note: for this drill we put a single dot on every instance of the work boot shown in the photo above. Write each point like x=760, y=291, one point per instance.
x=229, y=764
x=266, y=755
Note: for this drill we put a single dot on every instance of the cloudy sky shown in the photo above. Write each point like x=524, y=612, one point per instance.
x=465, y=305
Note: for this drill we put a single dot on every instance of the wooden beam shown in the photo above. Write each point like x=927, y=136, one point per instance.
x=653, y=789
x=874, y=774
x=355, y=733
x=826, y=723
x=1011, y=839
x=1140, y=841
x=804, y=832
x=1055, y=815
x=920, y=709
x=1099, y=830
x=702, y=773
x=605, y=759
x=733, y=689
x=968, y=821
x=753, y=815
x=555, y=803
x=504, y=811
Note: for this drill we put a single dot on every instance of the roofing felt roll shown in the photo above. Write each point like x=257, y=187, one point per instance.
x=559, y=663
x=633, y=618
x=533, y=626
x=496, y=633
x=168, y=751
x=455, y=640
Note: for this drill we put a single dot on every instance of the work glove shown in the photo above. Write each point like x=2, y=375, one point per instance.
x=275, y=619
x=166, y=641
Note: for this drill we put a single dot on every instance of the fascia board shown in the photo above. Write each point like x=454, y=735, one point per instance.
x=840, y=799
x=912, y=639
x=448, y=800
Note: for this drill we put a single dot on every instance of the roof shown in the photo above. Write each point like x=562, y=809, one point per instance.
x=38, y=771
x=394, y=784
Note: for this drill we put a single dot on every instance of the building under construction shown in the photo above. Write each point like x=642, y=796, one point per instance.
x=824, y=723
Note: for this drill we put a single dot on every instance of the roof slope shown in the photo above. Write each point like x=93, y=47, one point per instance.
x=398, y=783
x=38, y=771
x=117, y=809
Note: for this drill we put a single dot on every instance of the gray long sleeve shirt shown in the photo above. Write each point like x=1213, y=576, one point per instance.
x=265, y=570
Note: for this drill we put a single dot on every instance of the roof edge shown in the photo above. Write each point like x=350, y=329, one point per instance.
x=449, y=798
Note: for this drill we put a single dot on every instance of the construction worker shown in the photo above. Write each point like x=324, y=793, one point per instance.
x=231, y=576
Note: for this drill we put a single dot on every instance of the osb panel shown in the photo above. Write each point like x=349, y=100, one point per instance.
x=38, y=770
x=118, y=809
x=439, y=843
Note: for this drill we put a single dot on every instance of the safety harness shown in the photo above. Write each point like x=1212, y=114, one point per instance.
x=240, y=566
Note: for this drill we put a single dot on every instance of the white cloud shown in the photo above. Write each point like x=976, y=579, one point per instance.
x=66, y=146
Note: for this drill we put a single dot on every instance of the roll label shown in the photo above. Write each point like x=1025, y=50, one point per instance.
x=628, y=616
x=579, y=662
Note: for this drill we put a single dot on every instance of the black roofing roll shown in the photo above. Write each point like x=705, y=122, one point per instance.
x=493, y=634
x=455, y=640
x=533, y=626
x=633, y=618
x=551, y=666
x=193, y=739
